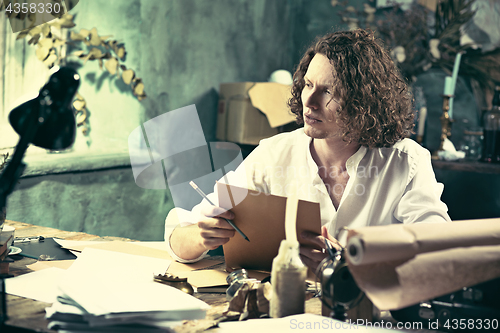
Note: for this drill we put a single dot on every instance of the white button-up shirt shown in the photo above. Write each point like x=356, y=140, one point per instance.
x=386, y=185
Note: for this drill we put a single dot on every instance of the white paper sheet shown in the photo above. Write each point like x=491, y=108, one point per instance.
x=107, y=282
x=39, y=285
x=302, y=323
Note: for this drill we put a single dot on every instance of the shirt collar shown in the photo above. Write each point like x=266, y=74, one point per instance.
x=351, y=164
x=353, y=161
x=313, y=167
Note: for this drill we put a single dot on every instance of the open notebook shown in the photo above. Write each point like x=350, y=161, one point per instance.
x=261, y=217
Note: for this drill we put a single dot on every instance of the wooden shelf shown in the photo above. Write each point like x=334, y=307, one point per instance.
x=468, y=166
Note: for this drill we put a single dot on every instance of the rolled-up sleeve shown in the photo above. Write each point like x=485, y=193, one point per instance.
x=178, y=216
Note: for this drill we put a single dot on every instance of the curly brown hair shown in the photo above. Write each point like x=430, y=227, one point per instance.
x=375, y=103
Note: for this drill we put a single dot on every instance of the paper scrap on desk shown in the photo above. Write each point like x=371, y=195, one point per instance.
x=40, y=285
x=39, y=265
x=206, y=278
x=136, y=248
x=401, y=265
x=68, y=244
x=119, y=265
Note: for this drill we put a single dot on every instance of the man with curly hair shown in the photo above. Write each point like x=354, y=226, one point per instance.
x=352, y=154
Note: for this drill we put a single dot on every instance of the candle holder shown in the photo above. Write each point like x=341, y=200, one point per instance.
x=446, y=122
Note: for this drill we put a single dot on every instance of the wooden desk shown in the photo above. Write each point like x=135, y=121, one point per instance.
x=30, y=314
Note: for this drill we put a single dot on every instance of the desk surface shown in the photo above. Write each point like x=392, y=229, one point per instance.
x=28, y=313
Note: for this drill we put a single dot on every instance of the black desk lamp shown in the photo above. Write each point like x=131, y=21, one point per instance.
x=46, y=121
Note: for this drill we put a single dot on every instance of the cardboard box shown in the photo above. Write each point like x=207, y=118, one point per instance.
x=250, y=111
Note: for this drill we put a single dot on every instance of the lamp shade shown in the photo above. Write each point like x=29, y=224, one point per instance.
x=52, y=109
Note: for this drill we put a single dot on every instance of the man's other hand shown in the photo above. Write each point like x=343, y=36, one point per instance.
x=313, y=254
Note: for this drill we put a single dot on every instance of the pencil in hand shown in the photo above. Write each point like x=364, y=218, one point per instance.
x=204, y=196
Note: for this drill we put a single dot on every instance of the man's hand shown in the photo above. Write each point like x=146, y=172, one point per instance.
x=312, y=255
x=189, y=242
x=214, y=230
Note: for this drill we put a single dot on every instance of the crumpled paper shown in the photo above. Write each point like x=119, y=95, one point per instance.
x=251, y=300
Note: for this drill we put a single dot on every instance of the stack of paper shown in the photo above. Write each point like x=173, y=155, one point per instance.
x=105, y=291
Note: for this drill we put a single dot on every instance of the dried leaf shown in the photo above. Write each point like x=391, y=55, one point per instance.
x=79, y=53
x=111, y=65
x=46, y=42
x=45, y=29
x=76, y=36
x=34, y=40
x=42, y=53
x=84, y=32
x=120, y=52
x=81, y=117
x=79, y=104
x=66, y=21
x=94, y=37
x=58, y=42
x=128, y=76
x=35, y=31
x=139, y=89
x=85, y=58
x=95, y=53
x=55, y=24
x=22, y=34
x=112, y=44
x=51, y=59
x=105, y=38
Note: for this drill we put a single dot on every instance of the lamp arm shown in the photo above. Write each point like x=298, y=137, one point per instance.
x=15, y=167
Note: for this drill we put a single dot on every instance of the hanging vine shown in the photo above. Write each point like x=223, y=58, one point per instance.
x=85, y=45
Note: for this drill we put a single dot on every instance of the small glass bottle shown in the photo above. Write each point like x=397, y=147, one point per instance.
x=491, y=141
x=288, y=281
